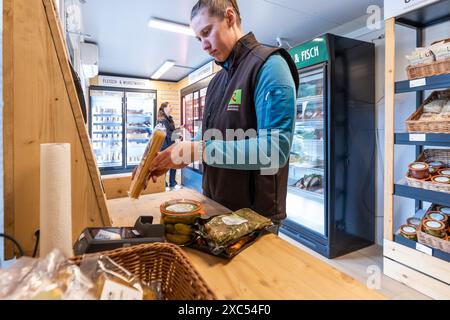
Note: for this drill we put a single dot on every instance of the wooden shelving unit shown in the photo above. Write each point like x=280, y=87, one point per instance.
x=420, y=267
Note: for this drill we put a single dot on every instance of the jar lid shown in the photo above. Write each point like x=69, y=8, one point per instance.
x=181, y=207
x=414, y=221
x=437, y=216
x=434, y=225
x=419, y=166
x=436, y=164
x=408, y=230
x=441, y=179
x=445, y=172
x=445, y=210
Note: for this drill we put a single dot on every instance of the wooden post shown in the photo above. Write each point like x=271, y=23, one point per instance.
x=389, y=130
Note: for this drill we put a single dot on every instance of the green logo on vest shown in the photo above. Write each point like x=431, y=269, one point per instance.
x=236, y=99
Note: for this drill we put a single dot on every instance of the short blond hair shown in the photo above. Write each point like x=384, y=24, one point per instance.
x=217, y=8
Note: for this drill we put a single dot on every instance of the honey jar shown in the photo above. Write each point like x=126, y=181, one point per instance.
x=444, y=210
x=434, y=228
x=414, y=222
x=437, y=216
x=435, y=166
x=444, y=172
x=419, y=170
x=441, y=179
x=178, y=217
x=409, y=232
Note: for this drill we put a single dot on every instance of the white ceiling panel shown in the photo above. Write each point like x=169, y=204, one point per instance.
x=128, y=47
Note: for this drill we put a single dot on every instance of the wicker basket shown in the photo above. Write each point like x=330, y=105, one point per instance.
x=430, y=155
x=429, y=126
x=165, y=262
x=428, y=70
x=429, y=240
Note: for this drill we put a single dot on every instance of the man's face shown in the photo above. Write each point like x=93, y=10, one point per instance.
x=215, y=34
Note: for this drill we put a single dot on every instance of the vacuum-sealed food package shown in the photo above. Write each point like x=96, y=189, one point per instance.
x=227, y=235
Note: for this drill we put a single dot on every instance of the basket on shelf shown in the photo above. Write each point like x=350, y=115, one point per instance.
x=165, y=262
x=433, y=242
x=431, y=155
x=435, y=68
x=415, y=125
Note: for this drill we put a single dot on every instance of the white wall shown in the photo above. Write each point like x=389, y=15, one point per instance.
x=405, y=106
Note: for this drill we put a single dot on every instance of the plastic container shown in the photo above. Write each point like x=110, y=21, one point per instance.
x=178, y=217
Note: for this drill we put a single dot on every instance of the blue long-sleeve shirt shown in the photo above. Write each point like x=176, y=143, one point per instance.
x=275, y=104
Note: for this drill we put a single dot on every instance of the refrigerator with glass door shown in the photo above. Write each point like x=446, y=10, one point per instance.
x=331, y=191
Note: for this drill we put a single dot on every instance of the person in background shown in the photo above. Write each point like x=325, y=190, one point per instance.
x=166, y=121
x=254, y=92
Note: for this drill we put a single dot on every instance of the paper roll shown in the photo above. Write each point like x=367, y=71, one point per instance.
x=55, y=199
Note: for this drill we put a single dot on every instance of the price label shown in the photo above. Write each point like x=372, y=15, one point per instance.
x=417, y=137
x=116, y=291
x=424, y=249
x=418, y=83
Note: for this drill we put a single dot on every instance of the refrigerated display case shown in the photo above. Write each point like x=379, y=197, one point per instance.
x=120, y=125
x=193, y=106
x=139, y=125
x=330, y=201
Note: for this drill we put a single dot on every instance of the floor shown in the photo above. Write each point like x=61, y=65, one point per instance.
x=366, y=266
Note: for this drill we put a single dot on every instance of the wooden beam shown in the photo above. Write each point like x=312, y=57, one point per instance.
x=389, y=129
x=8, y=121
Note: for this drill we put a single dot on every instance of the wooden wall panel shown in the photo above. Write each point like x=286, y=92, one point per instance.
x=117, y=186
x=46, y=110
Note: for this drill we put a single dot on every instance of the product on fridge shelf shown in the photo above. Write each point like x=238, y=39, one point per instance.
x=444, y=172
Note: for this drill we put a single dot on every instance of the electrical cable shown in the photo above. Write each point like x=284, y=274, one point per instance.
x=37, y=235
x=15, y=242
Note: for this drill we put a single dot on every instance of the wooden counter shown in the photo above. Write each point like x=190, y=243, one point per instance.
x=270, y=269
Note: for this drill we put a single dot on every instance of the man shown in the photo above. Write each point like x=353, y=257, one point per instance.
x=254, y=92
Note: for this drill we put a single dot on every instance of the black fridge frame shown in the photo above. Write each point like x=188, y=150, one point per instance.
x=124, y=168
